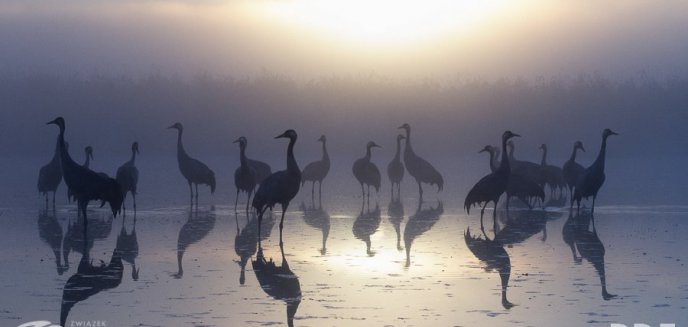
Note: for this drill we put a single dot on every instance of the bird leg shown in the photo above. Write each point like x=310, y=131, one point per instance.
x=247, y=202
x=281, y=225
x=190, y=191
x=236, y=200
x=320, y=189
x=592, y=211
x=133, y=196
x=313, y=190
x=494, y=216
x=197, y=195
x=420, y=189
x=46, y=198
x=362, y=191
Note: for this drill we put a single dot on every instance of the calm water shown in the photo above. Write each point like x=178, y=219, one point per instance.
x=390, y=263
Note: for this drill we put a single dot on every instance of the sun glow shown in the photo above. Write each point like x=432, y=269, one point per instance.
x=384, y=22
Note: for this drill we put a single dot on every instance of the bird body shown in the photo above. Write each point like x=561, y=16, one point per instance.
x=554, y=176
x=571, y=169
x=518, y=186
x=317, y=171
x=86, y=184
x=527, y=169
x=421, y=170
x=50, y=175
x=281, y=186
x=395, y=169
x=194, y=171
x=244, y=175
x=490, y=188
x=128, y=174
x=366, y=172
x=592, y=178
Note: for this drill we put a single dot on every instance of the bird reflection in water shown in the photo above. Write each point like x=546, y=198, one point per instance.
x=366, y=224
x=317, y=218
x=422, y=221
x=50, y=231
x=395, y=210
x=198, y=225
x=246, y=240
x=99, y=228
x=494, y=256
x=591, y=248
x=91, y=279
x=278, y=281
x=129, y=246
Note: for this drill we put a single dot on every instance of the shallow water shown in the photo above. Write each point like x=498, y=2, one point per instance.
x=390, y=263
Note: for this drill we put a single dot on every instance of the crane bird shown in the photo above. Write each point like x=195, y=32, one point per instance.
x=317, y=170
x=418, y=167
x=50, y=175
x=572, y=170
x=495, y=257
x=128, y=176
x=518, y=186
x=366, y=172
x=262, y=169
x=193, y=170
x=491, y=187
x=527, y=169
x=86, y=184
x=395, y=169
x=592, y=178
x=244, y=175
x=281, y=186
x=553, y=175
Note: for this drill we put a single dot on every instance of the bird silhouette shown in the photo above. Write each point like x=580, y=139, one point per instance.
x=316, y=171
x=279, y=282
x=518, y=186
x=591, y=249
x=88, y=155
x=280, y=187
x=50, y=232
x=395, y=169
x=490, y=188
x=494, y=256
x=86, y=184
x=128, y=245
x=571, y=169
x=554, y=176
x=366, y=224
x=568, y=233
x=395, y=210
x=592, y=178
x=197, y=226
x=194, y=171
x=317, y=217
x=128, y=176
x=529, y=170
x=421, y=170
x=419, y=223
x=244, y=175
x=99, y=228
x=262, y=169
x=50, y=175
x=366, y=172
x=246, y=240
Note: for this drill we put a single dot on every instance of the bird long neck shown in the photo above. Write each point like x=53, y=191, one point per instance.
x=544, y=156
x=56, y=155
x=511, y=151
x=368, y=154
x=180, y=146
x=87, y=163
x=325, y=156
x=242, y=156
x=65, y=159
x=292, y=166
x=493, y=160
x=573, y=154
x=408, y=147
x=600, y=156
x=396, y=156
x=504, y=164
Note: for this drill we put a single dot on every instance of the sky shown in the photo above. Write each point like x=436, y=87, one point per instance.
x=307, y=38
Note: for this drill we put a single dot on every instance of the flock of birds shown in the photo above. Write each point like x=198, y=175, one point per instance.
x=521, y=179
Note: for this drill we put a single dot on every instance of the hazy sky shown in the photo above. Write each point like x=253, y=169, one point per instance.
x=415, y=38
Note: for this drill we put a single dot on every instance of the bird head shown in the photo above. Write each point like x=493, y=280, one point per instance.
x=177, y=126
x=579, y=145
x=487, y=148
x=89, y=152
x=241, y=140
x=135, y=147
x=322, y=139
x=406, y=127
x=59, y=121
x=290, y=134
x=372, y=144
x=400, y=137
x=607, y=132
x=543, y=147
x=507, y=135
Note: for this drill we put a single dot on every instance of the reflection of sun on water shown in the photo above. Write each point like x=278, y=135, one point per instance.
x=383, y=22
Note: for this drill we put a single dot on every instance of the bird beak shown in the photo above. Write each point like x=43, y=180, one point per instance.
x=582, y=148
x=515, y=135
x=281, y=135
x=377, y=146
x=400, y=127
x=236, y=141
x=615, y=133
x=171, y=127
x=483, y=150
x=51, y=122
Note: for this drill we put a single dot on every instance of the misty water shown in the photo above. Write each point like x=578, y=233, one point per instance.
x=171, y=264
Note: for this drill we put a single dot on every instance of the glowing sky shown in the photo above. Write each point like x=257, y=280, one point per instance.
x=316, y=37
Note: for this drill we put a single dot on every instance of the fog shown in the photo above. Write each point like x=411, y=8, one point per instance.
x=450, y=123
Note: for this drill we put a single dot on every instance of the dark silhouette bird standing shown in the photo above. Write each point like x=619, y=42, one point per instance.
x=244, y=175
x=317, y=171
x=395, y=169
x=86, y=184
x=50, y=175
x=366, y=172
x=280, y=187
x=518, y=186
x=490, y=188
x=418, y=167
x=194, y=171
x=592, y=178
x=554, y=177
x=128, y=176
x=572, y=170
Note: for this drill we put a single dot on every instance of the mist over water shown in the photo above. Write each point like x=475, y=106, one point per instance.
x=450, y=122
